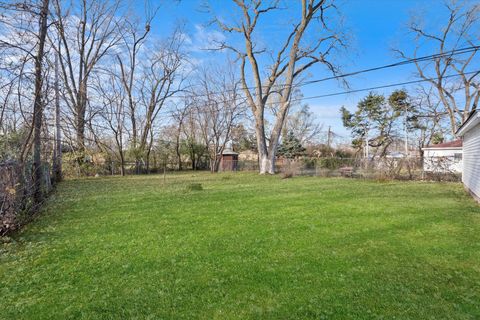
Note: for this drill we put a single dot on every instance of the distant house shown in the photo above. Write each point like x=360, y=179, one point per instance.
x=470, y=131
x=395, y=155
x=443, y=157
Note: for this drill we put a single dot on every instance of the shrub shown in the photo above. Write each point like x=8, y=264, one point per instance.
x=334, y=163
x=310, y=163
x=291, y=168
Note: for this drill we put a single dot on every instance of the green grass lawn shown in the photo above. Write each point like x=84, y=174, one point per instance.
x=246, y=247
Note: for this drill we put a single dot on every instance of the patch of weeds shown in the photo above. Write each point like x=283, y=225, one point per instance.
x=194, y=187
x=287, y=175
x=227, y=178
x=5, y=239
x=383, y=180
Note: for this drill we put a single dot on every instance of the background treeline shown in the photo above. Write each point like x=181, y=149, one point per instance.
x=85, y=82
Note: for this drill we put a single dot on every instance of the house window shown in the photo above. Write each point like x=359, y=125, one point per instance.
x=457, y=156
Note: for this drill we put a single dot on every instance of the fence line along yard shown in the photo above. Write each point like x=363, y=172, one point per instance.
x=403, y=168
x=17, y=204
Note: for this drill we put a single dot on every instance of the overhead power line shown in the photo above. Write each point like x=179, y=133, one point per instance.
x=400, y=63
x=380, y=87
x=349, y=74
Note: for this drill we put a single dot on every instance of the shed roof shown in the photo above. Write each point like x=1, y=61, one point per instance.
x=227, y=152
x=456, y=144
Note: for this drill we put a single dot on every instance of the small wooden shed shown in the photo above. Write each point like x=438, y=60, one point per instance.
x=229, y=160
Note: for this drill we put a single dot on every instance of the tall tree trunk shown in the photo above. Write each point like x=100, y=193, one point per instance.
x=122, y=164
x=274, y=141
x=179, y=156
x=80, y=116
x=38, y=105
x=264, y=160
x=194, y=164
x=57, y=152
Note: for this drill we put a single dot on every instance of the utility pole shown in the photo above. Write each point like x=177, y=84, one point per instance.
x=366, y=150
x=57, y=150
x=405, y=125
x=329, y=137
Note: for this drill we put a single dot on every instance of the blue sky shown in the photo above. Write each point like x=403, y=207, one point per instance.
x=375, y=26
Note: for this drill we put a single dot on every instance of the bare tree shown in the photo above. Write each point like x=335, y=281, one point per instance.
x=288, y=62
x=456, y=47
x=133, y=38
x=19, y=44
x=192, y=140
x=430, y=117
x=113, y=113
x=219, y=107
x=162, y=78
x=88, y=30
x=179, y=115
x=26, y=25
x=304, y=125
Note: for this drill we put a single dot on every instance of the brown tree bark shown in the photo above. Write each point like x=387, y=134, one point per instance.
x=292, y=59
x=38, y=104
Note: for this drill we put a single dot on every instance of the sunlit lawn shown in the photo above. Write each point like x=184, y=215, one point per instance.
x=246, y=247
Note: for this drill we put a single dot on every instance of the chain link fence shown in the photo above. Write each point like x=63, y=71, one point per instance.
x=17, y=204
x=404, y=168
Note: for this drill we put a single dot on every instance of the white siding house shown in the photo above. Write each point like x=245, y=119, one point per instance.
x=470, y=131
x=443, y=157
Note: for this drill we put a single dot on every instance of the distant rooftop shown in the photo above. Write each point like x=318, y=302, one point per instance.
x=446, y=145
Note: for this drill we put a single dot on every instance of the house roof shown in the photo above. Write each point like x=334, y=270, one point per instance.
x=447, y=145
x=472, y=120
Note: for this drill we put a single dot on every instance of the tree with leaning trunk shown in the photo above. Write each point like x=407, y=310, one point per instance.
x=297, y=54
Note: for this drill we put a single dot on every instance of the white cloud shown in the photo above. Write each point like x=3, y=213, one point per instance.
x=204, y=39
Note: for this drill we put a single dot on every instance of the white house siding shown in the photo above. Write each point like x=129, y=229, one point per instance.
x=442, y=160
x=471, y=160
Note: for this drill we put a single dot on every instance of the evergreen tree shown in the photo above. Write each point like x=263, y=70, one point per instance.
x=291, y=147
x=376, y=120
